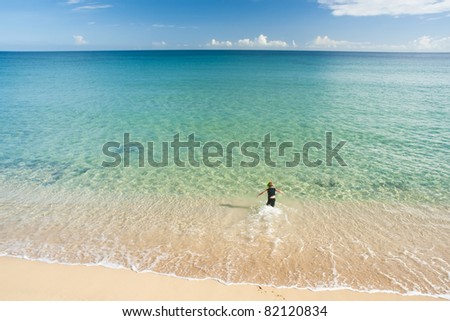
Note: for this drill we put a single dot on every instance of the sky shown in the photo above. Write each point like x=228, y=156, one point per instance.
x=355, y=25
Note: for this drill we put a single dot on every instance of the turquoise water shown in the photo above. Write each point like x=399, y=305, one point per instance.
x=58, y=109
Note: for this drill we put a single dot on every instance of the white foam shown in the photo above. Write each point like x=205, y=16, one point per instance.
x=142, y=236
x=310, y=288
x=267, y=211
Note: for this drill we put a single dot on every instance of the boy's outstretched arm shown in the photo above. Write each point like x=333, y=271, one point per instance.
x=265, y=191
x=279, y=191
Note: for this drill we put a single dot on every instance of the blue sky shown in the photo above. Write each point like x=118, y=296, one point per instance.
x=381, y=25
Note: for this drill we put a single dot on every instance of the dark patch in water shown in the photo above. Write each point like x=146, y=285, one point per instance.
x=390, y=184
x=81, y=171
x=39, y=171
x=326, y=183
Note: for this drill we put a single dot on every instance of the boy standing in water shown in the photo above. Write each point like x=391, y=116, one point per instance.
x=271, y=191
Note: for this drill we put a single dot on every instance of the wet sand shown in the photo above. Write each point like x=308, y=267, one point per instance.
x=30, y=280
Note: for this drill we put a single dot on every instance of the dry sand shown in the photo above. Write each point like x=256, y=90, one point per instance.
x=28, y=280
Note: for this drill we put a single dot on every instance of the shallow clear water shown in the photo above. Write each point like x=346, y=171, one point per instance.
x=380, y=223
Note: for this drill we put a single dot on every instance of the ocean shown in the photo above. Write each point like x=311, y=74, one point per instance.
x=358, y=142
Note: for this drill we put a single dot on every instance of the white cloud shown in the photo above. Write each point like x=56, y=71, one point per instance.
x=327, y=43
x=424, y=43
x=93, y=7
x=427, y=43
x=324, y=41
x=79, y=40
x=159, y=44
x=216, y=43
x=156, y=25
x=260, y=42
x=385, y=7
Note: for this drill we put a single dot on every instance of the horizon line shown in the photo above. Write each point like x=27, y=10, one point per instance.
x=227, y=50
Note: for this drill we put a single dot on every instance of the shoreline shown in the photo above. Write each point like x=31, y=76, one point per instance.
x=25, y=280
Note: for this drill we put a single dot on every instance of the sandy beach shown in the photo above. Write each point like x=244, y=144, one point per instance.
x=29, y=280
